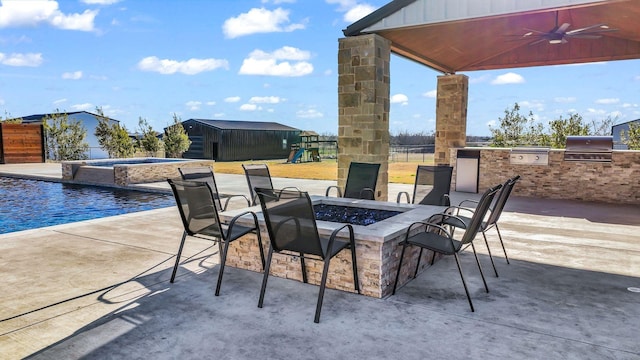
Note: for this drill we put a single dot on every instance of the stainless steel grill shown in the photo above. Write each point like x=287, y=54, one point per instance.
x=588, y=148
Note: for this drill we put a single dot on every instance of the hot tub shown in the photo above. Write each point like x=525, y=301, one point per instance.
x=123, y=172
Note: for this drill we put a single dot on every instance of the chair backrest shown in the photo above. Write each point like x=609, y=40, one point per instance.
x=196, y=206
x=478, y=214
x=501, y=200
x=202, y=174
x=258, y=176
x=432, y=186
x=361, y=181
x=291, y=221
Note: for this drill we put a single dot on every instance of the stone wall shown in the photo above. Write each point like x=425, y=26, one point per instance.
x=145, y=173
x=617, y=181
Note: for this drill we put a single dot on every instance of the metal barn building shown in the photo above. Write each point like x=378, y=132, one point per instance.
x=227, y=140
x=617, y=136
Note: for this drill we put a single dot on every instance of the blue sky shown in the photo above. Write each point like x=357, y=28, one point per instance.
x=260, y=60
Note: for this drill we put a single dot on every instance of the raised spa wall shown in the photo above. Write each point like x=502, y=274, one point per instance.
x=617, y=181
x=81, y=171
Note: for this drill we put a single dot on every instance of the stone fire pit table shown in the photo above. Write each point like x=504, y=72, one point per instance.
x=377, y=248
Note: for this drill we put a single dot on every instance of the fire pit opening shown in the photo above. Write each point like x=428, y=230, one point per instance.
x=351, y=215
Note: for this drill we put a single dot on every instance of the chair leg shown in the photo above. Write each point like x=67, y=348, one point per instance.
x=501, y=243
x=354, y=264
x=260, y=245
x=489, y=251
x=404, y=246
x=303, y=266
x=479, y=267
x=415, y=273
x=223, y=260
x=323, y=282
x=175, y=267
x=464, y=283
x=265, y=276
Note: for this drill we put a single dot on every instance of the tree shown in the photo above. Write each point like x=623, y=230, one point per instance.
x=10, y=120
x=113, y=138
x=148, y=140
x=516, y=129
x=603, y=128
x=65, y=140
x=561, y=128
x=176, y=141
x=631, y=137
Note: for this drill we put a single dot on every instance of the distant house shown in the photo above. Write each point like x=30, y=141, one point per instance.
x=89, y=121
x=227, y=140
x=616, y=131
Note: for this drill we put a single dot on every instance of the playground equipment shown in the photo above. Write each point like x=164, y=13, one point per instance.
x=307, y=150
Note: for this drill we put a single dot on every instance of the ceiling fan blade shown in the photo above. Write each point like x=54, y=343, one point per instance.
x=533, y=32
x=562, y=28
x=538, y=41
x=588, y=28
x=584, y=36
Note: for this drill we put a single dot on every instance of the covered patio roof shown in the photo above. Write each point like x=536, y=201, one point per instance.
x=466, y=35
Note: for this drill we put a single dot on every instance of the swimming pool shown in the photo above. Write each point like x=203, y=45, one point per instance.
x=29, y=204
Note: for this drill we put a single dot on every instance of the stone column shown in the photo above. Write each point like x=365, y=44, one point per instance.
x=363, y=106
x=451, y=115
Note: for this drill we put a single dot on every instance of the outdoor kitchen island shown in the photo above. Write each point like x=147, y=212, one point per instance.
x=377, y=249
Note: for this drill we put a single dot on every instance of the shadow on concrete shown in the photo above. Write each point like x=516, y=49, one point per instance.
x=532, y=311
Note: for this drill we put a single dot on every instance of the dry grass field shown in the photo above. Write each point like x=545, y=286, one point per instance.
x=327, y=169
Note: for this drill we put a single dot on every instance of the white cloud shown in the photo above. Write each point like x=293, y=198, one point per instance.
x=532, y=104
x=72, y=75
x=309, y=114
x=637, y=78
x=628, y=105
x=193, y=105
x=593, y=111
x=29, y=59
x=189, y=67
x=399, y=99
x=59, y=101
x=508, y=78
x=259, y=21
x=431, y=94
x=564, y=100
x=276, y=64
x=83, y=107
x=265, y=100
x=358, y=12
x=232, y=99
x=211, y=103
x=249, y=107
x=492, y=123
x=607, y=101
x=352, y=9
x=35, y=12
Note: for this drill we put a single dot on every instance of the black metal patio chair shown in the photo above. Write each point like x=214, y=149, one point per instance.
x=462, y=221
x=258, y=176
x=431, y=187
x=205, y=174
x=292, y=229
x=361, y=182
x=438, y=239
x=199, y=214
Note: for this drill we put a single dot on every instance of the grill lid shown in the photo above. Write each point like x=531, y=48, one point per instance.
x=588, y=148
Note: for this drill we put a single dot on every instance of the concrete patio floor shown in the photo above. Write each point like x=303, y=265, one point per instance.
x=100, y=289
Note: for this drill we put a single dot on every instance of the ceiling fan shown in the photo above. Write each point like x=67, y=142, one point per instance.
x=561, y=34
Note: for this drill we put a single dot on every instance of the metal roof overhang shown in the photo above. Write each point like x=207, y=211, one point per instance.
x=467, y=35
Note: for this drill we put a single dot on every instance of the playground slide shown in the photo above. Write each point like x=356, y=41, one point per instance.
x=297, y=156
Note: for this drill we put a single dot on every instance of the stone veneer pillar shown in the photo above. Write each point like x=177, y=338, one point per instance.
x=451, y=115
x=363, y=106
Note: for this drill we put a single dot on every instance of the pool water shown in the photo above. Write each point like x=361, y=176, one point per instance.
x=28, y=204
x=351, y=215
